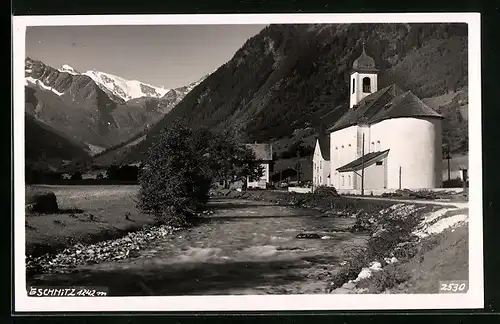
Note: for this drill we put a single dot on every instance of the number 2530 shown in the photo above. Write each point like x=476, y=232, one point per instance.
x=453, y=286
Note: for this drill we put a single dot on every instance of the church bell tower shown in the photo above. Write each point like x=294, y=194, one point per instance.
x=363, y=81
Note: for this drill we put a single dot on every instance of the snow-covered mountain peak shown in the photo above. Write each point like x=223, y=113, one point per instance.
x=125, y=89
x=67, y=68
x=113, y=85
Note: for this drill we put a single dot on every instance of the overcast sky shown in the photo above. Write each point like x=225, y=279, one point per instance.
x=168, y=56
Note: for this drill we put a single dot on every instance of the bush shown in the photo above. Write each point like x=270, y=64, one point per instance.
x=326, y=191
x=174, y=182
x=390, y=277
x=44, y=202
x=76, y=176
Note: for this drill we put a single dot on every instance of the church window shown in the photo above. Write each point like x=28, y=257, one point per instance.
x=353, y=84
x=367, y=85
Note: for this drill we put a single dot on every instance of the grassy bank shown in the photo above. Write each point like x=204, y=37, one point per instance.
x=439, y=257
x=87, y=214
x=340, y=206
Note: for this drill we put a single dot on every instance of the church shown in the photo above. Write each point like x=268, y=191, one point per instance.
x=388, y=138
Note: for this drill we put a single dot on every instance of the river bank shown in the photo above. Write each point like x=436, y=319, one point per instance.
x=86, y=215
x=411, y=247
x=354, y=246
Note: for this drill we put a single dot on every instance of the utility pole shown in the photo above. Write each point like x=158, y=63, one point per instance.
x=448, y=158
x=298, y=166
x=363, y=166
x=400, y=178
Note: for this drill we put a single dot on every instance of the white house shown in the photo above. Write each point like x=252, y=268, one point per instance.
x=264, y=154
x=321, y=161
x=402, y=137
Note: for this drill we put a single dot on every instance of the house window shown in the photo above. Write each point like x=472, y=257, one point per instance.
x=342, y=180
x=378, y=163
x=353, y=84
x=366, y=85
x=373, y=146
x=378, y=145
x=349, y=180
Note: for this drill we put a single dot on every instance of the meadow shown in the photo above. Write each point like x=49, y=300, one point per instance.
x=87, y=214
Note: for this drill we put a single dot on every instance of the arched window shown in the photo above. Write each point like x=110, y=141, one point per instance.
x=366, y=85
x=378, y=145
x=353, y=84
x=349, y=180
x=373, y=146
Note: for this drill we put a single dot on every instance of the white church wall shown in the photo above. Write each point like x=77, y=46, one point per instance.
x=343, y=149
x=415, y=146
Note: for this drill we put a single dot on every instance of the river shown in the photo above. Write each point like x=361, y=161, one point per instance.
x=245, y=247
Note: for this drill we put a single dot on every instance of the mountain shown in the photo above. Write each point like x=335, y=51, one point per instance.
x=291, y=81
x=47, y=149
x=97, y=108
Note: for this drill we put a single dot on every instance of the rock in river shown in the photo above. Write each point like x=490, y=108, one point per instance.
x=308, y=236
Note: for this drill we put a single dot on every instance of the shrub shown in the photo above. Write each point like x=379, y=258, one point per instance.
x=390, y=277
x=44, y=202
x=174, y=182
x=326, y=191
x=76, y=176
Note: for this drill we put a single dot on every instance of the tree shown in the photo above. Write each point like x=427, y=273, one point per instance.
x=226, y=159
x=112, y=172
x=174, y=183
x=181, y=166
x=76, y=176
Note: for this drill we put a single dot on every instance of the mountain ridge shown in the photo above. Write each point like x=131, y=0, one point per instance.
x=95, y=107
x=282, y=82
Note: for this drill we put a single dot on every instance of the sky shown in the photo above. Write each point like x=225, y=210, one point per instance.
x=168, y=56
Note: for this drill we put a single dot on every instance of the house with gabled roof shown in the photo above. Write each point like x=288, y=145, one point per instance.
x=263, y=154
x=321, y=161
x=388, y=139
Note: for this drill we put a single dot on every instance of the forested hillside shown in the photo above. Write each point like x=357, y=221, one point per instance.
x=290, y=81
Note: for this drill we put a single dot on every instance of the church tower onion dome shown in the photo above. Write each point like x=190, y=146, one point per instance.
x=364, y=63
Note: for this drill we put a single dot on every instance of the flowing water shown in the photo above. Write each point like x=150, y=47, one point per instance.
x=246, y=247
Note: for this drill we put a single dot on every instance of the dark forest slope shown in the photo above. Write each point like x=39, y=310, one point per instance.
x=291, y=78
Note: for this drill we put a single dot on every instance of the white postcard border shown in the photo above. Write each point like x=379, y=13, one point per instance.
x=473, y=299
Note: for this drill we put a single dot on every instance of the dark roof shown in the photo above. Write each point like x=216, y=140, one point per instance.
x=364, y=63
x=263, y=152
x=389, y=102
x=324, y=145
x=369, y=157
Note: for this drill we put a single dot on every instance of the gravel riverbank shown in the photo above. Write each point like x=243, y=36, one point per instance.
x=78, y=254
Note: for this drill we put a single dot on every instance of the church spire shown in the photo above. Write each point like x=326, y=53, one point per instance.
x=363, y=77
